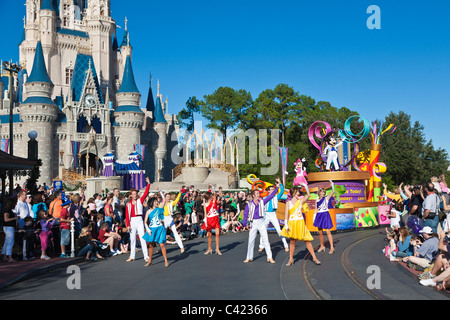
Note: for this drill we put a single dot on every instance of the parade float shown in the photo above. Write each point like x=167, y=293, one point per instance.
x=356, y=175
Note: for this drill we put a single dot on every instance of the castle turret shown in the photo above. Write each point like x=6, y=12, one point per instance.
x=160, y=147
x=47, y=27
x=38, y=112
x=128, y=114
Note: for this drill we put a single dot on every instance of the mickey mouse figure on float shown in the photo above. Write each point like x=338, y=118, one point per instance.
x=331, y=152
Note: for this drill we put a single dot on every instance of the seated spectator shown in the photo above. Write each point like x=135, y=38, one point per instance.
x=431, y=278
x=112, y=239
x=85, y=247
x=425, y=253
x=405, y=249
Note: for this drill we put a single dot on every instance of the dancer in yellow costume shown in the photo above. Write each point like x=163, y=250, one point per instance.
x=294, y=225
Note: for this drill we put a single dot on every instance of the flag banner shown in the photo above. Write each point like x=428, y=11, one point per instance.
x=140, y=148
x=5, y=145
x=75, y=151
x=284, y=159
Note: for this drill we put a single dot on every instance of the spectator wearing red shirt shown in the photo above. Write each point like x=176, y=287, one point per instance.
x=65, y=220
x=110, y=238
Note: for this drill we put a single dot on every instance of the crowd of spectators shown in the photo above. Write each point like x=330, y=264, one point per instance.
x=418, y=234
x=39, y=226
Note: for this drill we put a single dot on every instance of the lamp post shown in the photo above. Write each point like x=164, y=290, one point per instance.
x=12, y=68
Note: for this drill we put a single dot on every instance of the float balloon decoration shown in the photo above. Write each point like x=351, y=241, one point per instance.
x=361, y=161
x=260, y=185
x=375, y=167
x=347, y=135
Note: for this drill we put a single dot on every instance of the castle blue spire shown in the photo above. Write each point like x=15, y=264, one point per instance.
x=158, y=114
x=150, y=101
x=47, y=5
x=39, y=71
x=128, y=83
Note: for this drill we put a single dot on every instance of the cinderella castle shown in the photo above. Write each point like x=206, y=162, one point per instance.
x=77, y=90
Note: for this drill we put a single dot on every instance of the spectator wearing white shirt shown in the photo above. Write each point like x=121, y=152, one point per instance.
x=99, y=203
x=117, y=208
x=22, y=210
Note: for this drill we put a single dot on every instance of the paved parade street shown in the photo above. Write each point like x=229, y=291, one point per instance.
x=195, y=276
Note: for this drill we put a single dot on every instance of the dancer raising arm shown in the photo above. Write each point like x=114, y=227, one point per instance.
x=323, y=219
x=134, y=212
x=255, y=213
x=294, y=226
x=168, y=219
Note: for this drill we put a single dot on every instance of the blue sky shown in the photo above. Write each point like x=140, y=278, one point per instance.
x=321, y=48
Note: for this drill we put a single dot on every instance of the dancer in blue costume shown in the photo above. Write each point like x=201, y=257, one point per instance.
x=322, y=219
x=154, y=225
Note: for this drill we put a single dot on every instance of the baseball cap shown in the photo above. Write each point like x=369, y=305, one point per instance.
x=426, y=230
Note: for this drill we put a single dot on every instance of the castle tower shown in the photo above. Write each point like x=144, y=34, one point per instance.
x=38, y=112
x=100, y=27
x=128, y=115
x=160, y=146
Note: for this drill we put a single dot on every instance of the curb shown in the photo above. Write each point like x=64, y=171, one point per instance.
x=29, y=274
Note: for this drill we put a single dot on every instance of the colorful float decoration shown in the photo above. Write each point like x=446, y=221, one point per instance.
x=357, y=191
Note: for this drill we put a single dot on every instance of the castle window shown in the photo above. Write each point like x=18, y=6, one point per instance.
x=69, y=73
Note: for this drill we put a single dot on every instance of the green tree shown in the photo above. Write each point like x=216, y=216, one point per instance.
x=186, y=116
x=224, y=109
x=278, y=108
x=409, y=157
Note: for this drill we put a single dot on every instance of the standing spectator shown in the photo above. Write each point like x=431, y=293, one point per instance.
x=109, y=211
x=22, y=208
x=28, y=235
x=54, y=209
x=39, y=204
x=29, y=201
x=45, y=223
x=9, y=226
x=430, y=214
x=65, y=221
x=416, y=201
x=117, y=207
x=75, y=211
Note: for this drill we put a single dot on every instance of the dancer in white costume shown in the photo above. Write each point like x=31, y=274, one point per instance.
x=134, y=212
x=271, y=215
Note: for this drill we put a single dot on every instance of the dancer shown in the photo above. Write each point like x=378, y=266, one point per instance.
x=294, y=226
x=271, y=215
x=211, y=220
x=134, y=222
x=255, y=212
x=156, y=232
x=331, y=152
x=322, y=219
x=168, y=212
